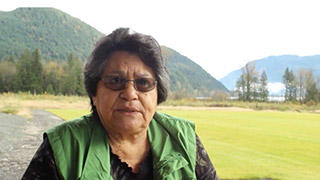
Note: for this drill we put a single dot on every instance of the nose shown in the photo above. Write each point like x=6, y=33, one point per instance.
x=129, y=92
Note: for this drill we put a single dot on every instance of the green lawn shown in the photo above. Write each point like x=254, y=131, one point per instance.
x=246, y=145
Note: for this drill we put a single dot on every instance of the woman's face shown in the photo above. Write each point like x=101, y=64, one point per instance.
x=126, y=110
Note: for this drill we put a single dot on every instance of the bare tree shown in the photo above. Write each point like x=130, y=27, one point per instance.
x=247, y=83
x=301, y=83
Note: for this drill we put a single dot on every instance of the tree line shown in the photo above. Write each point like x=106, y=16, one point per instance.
x=302, y=86
x=251, y=86
x=29, y=74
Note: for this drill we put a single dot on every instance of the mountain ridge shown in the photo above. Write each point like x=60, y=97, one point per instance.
x=58, y=34
x=54, y=32
x=178, y=63
x=275, y=66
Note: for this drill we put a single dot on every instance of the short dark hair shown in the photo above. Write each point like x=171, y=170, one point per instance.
x=124, y=39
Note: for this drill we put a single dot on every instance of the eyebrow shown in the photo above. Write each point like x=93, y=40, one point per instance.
x=122, y=73
x=144, y=75
x=117, y=72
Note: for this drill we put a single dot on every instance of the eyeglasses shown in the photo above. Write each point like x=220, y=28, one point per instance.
x=117, y=83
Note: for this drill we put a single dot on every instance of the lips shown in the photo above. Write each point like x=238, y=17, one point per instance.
x=127, y=109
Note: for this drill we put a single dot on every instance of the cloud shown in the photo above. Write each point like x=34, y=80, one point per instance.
x=276, y=88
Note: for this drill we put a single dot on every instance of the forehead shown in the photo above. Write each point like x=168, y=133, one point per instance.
x=125, y=62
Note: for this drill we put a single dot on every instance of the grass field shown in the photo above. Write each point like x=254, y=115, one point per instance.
x=246, y=145
x=254, y=144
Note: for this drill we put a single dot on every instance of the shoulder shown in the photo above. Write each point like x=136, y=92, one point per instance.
x=77, y=127
x=172, y=120
x=78, y=123
x=176, y=127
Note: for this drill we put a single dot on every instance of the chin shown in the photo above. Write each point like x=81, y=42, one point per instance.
x=131, y=124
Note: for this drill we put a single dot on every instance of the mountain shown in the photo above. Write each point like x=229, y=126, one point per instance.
x=186, y=74
x=58, y=34
x=275, y=66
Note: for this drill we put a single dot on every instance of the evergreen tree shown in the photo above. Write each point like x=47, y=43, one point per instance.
x=312, y=93
x=36, y=76
x=290, y=83
x=7, y=76
x=70, y=79
x=255, y=91
x=74, y=80
x=29, y=72
x=50, y=80
x=263, y=90
x=49, y=89
x=78, y=68
x=311, y=87
x=11, y=59
x=24, y=70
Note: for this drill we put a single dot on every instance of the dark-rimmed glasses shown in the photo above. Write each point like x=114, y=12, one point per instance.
x=117, y=83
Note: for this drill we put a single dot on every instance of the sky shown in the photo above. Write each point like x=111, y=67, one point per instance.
x=219, y=35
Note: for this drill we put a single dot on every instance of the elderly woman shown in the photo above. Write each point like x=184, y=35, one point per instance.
x=124, y=137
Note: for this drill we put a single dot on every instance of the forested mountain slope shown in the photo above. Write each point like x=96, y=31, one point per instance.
x=54, y=32
x=189, y=76
x=57, y=35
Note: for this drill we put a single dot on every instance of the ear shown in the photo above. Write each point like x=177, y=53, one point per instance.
x=94, y=100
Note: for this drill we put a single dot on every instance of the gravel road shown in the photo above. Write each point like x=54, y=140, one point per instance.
x=19, y=140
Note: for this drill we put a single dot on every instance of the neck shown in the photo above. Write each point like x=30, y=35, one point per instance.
x=130, y=149
x=127, y=138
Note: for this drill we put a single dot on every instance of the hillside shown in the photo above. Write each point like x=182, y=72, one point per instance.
x=275, y=66
x=186, y=74
x=58, y=34
x=54, y=32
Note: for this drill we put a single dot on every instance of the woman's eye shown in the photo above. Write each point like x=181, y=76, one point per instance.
x=143, y=82
x=116, y=80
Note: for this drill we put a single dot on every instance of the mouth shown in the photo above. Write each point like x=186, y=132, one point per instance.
x=127, y=110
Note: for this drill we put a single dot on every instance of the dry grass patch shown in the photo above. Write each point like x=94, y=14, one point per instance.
x=21, y=103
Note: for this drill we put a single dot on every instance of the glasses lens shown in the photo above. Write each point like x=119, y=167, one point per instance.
x=145, y=84
x=118, y=83
x=114, y=82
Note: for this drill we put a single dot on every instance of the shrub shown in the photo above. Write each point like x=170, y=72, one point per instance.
x=311, y=103
x=10, y=110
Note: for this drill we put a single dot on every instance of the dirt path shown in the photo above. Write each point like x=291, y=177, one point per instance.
x=19, y=140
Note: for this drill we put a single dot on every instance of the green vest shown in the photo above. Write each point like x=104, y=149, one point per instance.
x=81, y=150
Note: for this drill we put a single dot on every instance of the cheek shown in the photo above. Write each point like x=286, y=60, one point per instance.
x=150, y=102
x=104, y=98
